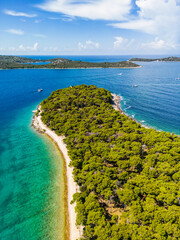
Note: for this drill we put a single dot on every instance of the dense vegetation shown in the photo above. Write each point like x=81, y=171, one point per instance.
x=81, y=64
x=128, y=175
x=167, y=59
x=13, y=62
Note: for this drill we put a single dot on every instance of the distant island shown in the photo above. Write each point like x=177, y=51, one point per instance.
x=127, y=175
x=167, y=59
x=14, y=62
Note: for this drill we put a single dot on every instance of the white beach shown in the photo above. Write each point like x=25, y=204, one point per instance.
x=75, y=232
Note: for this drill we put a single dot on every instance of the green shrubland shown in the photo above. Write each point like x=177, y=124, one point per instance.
x=128, y=175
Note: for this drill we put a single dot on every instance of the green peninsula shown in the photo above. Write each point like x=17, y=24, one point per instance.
x=14, y=62
x=128, y=175
x=167, y=59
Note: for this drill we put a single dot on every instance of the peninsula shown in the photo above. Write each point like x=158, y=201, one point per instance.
x=167, y=59
x=14, y=62
x=127, y=176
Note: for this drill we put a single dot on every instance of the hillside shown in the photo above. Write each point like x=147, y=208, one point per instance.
x=13, y=62
x=168, y=59
x=128, y=175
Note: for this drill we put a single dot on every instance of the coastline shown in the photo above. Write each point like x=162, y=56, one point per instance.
x=72, y=68
x=116, y=102
x=116, y=105
x=73, y=232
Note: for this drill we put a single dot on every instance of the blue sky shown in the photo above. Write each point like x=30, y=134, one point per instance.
x=70, y=27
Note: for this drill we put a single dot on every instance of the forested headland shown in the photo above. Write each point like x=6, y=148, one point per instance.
x=15, y=62
x=166, y=59
x=128, y=175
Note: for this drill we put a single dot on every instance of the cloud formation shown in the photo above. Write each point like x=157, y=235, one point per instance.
x=123, y=43
x=21, y=48
x=88, y=45
x=19, y=14
x=28, y=48
x=159, y=18
x=91, y=9
x=15, y=31
x=160, y=44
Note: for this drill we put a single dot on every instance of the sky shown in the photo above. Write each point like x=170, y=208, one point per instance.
x=89, y=27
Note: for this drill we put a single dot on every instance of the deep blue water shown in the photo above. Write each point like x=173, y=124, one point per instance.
x=101, y=58
x=28, y=166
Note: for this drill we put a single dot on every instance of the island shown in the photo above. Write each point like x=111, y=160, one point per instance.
x=167, y=59
x=125, y=176
x=14, y=62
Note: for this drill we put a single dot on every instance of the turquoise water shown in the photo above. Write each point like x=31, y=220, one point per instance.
x=31, y=169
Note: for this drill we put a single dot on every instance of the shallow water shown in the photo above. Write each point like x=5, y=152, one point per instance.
x=31, y=169
x=31, y=182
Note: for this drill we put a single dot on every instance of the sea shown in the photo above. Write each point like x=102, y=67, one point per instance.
x=31, y=167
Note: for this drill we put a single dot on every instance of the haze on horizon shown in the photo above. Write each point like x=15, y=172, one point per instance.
x=89, y=27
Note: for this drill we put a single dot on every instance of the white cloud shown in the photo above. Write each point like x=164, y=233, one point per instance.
x=118, y=42
x=35, y=47
x=142, y=25
x=159, y=44
x=131, y=45
x=88, y=45
x=123, y=43
x=15, y=31
x=27, y=48
x=91, y=9
x=159, y=18
x=21, y=47
x=19, y=14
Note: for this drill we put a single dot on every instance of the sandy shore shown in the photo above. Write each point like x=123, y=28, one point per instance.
x=75, y=232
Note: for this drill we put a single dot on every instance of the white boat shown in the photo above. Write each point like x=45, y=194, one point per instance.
x=135, y=85
x=40, y=90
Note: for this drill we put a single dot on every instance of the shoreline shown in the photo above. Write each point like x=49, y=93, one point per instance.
x=73, y=232
x=70, y=68
x=116, y=105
